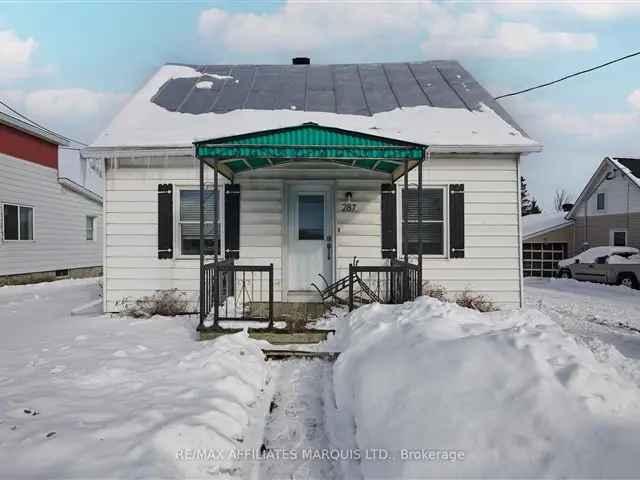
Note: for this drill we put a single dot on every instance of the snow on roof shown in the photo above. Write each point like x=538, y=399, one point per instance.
x=144, y=123
x=629, y=166
x=541, y=223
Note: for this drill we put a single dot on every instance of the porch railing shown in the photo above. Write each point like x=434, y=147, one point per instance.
x=397, y=282
x=242, y=293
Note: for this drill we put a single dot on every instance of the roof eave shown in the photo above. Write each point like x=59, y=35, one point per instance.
x=547, y=230
x=32, y=130
x=181, y=150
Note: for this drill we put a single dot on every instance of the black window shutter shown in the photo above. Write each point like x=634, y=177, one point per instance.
x=389, y=220
x=232, y=220
x=456, y=220
x=165, y=220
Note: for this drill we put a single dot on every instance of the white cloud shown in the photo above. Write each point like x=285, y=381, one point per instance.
x=507, y=39
x=587, y=9
x=70, y=102
x=634, y=99
x=447, y=29
x=594, y=125
x=309, y=25
x=544, y=120
x=16, y=56
x=76, y=112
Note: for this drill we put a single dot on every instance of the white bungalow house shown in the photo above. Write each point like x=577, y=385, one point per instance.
x=310, y=162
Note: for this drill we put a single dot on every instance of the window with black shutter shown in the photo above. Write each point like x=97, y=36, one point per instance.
x=189, y=222
x=433, y=221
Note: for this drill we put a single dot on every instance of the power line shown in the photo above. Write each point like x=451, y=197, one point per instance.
x=569, y=76
x=36, y=124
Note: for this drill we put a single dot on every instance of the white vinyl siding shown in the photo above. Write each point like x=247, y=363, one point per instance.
x=59, y=221
x=132, y=267
x=492, y=254
x=491, y=265
x=262, y=209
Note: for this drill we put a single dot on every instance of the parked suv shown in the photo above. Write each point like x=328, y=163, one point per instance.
x=611, y=265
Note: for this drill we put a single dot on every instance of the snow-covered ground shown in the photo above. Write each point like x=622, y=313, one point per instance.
x=442, y=391
x=111, y=397
x=424, y=389
x=591, y=311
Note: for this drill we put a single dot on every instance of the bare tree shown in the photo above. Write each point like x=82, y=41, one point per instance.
x=561, y=197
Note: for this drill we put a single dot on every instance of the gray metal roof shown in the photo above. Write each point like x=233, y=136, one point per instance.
x=355, y=89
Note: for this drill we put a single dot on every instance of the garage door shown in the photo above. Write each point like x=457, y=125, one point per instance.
x=541, y=259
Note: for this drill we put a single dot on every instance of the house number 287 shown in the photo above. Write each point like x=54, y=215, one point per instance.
x=349, y=207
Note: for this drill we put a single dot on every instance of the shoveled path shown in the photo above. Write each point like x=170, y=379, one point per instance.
x=294, y=430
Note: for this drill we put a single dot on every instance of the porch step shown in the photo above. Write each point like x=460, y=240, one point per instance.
x=303, y=311
x=290, y=354
x=275, y=336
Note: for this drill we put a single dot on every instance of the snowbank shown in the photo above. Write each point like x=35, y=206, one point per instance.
x=509, y=392
x=590, y=256
x=120, y=398
x=143, y=123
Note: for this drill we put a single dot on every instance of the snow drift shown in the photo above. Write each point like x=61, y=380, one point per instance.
x=510, y=390
x=112, y=397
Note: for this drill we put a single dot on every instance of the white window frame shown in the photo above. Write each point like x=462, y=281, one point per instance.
x=177, y=235
x=604, y=202
x=33, y=222
x=93, y=228
x=445, y=220
x=612, y=233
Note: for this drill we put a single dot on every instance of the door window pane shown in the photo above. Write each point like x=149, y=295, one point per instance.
x=26, y=223
x=311, y=217
x=10, y=222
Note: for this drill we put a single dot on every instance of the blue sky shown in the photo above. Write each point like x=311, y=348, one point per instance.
x=72, y=65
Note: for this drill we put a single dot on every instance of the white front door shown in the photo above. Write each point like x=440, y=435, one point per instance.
x=310, y=246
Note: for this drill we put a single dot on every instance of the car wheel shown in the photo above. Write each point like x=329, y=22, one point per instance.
x=628, y=280
x=565, y=274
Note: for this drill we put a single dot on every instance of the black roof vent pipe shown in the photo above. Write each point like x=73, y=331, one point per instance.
x=301, y=61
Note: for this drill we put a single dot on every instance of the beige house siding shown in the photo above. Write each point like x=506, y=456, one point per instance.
x=595, y=231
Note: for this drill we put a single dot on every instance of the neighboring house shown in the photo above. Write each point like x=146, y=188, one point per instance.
x=546, y=239
x=50, y=223
x=307, y=189
x=606, y=213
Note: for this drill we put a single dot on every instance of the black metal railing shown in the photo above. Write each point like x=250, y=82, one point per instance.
x=243, y=292
x=397, y=282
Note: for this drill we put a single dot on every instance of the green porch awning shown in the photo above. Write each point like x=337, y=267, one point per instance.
x=310, y=141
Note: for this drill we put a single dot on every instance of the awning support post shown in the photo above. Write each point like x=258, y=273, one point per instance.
x=216, y=244
x=405, y=232
x=419, y=292
x=202, y=281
